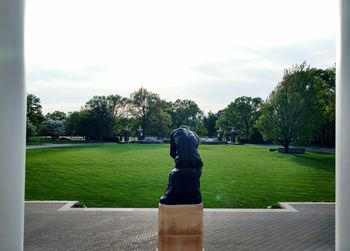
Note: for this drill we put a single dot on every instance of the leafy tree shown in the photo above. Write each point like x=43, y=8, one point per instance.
x=210, y=123
x=293, y=111
x=57, y=115
x=326, y=135
x=31, y=129
x=34, y=110
x=119, y=107
x=199, y=127
x=53, y=128
x=242, y=115
x=101, y=117
x=75, y=125
x=99, y=121
x=144, y=105
x=185, y=112
x=160, y=120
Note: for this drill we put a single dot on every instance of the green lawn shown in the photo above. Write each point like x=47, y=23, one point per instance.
x=136, y=175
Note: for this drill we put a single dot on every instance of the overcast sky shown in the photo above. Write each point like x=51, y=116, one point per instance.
x=208, y=51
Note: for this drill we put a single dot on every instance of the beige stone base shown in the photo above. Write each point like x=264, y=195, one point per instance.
x=180, y=242
x=180, y=227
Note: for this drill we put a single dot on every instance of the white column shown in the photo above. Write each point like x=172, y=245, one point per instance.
x=12, y=125
x=343, y=129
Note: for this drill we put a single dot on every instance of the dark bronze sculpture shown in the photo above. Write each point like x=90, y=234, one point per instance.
x=233, y=136
x=139, y=133
x=184, y=185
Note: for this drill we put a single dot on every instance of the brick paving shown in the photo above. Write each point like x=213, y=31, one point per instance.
x=309, y=227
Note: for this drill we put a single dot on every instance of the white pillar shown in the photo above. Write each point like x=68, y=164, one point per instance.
x=12, y=125
x=343, y=129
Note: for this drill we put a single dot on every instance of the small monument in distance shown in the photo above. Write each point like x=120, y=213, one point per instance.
x=233, y=136
x=140, y=133
x=180, y=219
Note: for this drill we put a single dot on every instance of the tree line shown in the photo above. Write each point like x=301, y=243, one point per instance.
x=301, y=109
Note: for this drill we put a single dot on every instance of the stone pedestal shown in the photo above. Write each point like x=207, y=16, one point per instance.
x=180, y=227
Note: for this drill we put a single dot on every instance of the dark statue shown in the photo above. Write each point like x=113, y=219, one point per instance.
x=183, y=185
x=233, y=136
x=139, y=133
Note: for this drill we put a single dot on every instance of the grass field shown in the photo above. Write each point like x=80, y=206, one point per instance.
x=112, y=175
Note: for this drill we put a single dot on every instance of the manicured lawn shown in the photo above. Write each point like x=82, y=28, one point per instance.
x=136, y=175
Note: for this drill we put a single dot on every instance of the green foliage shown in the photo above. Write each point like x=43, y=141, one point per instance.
x=160, y=120
x=136, y=175
x=149, y=111
x=242, y=115
x=75, y=123
x=56, y=115
x=293, y=111
x=185, y=112
x=99, y=119
x=326, y=134
x=53, y=128
x=301, y=87
x=34, y=110
x=31, y=129
x=119, y=107
x=143, y=104
x=210, y=123
x=200, y=128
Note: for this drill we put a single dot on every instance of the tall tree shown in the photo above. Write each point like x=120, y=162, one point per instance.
x=76, y=124
x=119, y=108
x=143, y=105
x=117, y=105
x=100, y=116
x=34, y=110
x=31, y=129
x=326, y=135
x=293, y=111
x=160, y=120
x=210, y=123
x=53, y=128
x=185, y=112
x=57, y=115
x=242, y=115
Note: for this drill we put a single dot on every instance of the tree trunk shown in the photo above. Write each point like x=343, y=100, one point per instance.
x=285, y=143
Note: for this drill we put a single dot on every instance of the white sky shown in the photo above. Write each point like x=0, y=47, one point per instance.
x=208, y=51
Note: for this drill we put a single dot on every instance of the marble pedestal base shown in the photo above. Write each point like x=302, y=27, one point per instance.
x=180, y=227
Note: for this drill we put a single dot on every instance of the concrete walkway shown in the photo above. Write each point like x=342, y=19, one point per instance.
x=301, y=226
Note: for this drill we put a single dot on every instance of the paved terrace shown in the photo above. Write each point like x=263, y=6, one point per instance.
x=57, y=226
